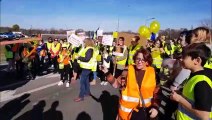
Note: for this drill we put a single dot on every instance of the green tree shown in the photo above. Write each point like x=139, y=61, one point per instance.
x=15, y=27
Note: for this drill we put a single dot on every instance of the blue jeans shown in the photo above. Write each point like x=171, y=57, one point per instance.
x=84, y=83
x=94, y=75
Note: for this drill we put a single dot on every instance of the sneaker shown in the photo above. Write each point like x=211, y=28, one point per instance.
x=102, y=83
x=78, y=99
x=67, y=84
x=105, y=83
x=93, y=82
x=60, y=83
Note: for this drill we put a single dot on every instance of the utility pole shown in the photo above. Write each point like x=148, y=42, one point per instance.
x=0, y=31
x=0, y=15
x=118, y=25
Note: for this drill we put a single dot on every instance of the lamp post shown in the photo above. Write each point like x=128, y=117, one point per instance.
x=0, y=15
x=148, y=20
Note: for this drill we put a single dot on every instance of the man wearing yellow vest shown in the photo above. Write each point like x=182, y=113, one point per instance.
x=66, y=44
x=133, y=48
x=86, y=64
x=196, y=99
x=169, y=48
x=64, y=66
x=55, y=49
x=120, y=61
x=48, y=47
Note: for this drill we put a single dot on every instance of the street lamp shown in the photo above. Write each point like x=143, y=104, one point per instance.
x=148, y=20
x=0, y=14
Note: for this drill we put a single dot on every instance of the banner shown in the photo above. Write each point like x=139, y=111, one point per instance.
x=75, y=40
x=99, y=33
x=107, y=40
x=69, y=33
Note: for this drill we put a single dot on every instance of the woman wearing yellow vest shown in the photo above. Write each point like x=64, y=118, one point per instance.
x=64, y=66
x=86, y=64
x=138, y=79
x=196, y=99
x=133, y=48
x=156, y=53
x=120, y=61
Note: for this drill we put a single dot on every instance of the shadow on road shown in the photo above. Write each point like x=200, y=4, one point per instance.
x=12, y=108
x=52, y=113
x=109, y=105
x=11, y=80
x=83, y=116
x=37, y=112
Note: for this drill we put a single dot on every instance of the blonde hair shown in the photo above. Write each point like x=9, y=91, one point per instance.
x=89, y=42
x=200, y=34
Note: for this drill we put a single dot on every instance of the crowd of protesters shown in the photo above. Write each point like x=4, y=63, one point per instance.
x=183, y=64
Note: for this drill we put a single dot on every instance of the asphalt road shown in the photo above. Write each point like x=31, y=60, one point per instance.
x=43, y=99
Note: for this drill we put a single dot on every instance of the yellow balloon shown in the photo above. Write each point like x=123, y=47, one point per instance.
x=154, y=26
x=115, y=34
x=144, y=31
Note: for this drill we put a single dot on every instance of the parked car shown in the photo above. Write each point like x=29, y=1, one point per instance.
x=3, y=36
x=8, y=35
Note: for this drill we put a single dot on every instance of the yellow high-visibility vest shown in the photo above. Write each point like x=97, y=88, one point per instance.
x=89, y=64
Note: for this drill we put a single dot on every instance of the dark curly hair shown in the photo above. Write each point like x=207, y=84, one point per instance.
x=146, y=54
x=196, y=50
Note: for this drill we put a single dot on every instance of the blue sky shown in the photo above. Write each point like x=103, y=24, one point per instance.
x=90, y=14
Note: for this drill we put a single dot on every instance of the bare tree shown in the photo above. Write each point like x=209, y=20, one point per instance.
x=206, y=23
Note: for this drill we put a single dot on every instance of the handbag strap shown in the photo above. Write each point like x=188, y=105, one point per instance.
x=141, y=97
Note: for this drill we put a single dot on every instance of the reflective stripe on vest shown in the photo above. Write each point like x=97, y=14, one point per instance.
x=188, y=93
x=89, y=64
x=125, y=109
x=131, y=96
x=131, y=54
x=122, y=62
x=134, y=99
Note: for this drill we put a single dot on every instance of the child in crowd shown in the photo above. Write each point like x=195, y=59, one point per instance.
x=196, y=100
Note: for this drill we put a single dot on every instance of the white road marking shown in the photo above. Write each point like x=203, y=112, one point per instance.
x=4, y=97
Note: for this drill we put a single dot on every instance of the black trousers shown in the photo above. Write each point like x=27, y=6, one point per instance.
x=55, y=63
x=20, y=68
x=66, y=73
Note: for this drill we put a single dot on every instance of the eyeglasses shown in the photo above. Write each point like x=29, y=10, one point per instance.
x=139, y=60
